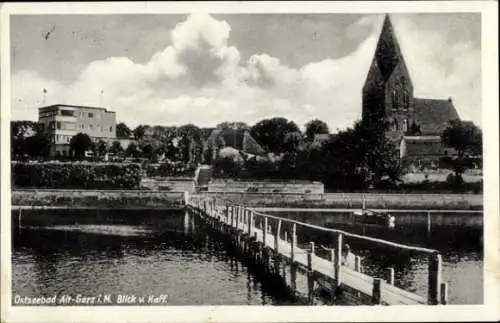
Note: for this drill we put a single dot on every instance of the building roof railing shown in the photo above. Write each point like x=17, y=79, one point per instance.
x=76, y=106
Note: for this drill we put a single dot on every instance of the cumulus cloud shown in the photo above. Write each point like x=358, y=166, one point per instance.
x=199, y=78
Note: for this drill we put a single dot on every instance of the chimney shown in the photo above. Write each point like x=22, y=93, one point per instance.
x=450, y=100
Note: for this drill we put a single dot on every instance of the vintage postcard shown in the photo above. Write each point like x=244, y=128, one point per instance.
x=249, y=161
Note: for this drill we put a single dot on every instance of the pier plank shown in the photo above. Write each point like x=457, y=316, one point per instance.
x=357, y=287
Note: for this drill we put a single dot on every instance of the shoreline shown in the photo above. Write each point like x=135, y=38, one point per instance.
x=155, y=199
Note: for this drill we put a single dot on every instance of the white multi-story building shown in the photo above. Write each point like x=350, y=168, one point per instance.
x=61, y=122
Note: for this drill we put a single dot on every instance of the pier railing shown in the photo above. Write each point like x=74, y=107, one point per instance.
x=287, y=238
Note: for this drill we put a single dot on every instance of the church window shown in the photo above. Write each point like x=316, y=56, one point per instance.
x=395, y=125
x=406, y=100
x=394, y=100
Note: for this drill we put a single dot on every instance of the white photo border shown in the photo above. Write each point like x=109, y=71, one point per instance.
x=490, y=107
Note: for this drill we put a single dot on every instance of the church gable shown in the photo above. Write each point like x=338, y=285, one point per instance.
x=388, y=85
x=388, y=53
x=239, y=139
x=433, y=116
x=250, y=145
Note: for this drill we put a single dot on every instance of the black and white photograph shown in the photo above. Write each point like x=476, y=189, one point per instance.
x=324, y=159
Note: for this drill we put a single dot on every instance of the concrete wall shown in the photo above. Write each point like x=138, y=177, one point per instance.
x=165, y=184
x=266, y=187
x=115, y=199
x=355, y=200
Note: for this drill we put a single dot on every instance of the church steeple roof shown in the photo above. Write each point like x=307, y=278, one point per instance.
x=388, y=53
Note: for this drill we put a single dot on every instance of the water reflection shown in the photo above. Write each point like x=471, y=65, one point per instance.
x=157, y=256
x=173, y=254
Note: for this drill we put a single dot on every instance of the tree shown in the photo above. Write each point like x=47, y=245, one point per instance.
x=139, y=132
x=122, y=131
x=147, y=151
x=465, y=138
x=37, y=145
x=189, y=139
x=189, y=131
x=132, y=151
x=22, y=142
x=79, y=144
x=315, y=127
x=293, y=141
x=102, y=148
x=116, y=147
x=233, y=125
x=271, y=133
x=356, y=158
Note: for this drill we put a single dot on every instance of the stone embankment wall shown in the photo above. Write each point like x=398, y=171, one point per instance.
x=266, y=187
x=355, y=200
x=113, y=199
x=167, y=184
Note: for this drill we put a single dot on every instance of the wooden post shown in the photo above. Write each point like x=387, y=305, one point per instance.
x=444, y=293
x=390, y=275
x=338, y=261
x=434, y=280
x=376, y=299
x=310, y=278
x=264, y=232
x=428, y=223
x=230, y=215
x=245, y=219
x=293, y=268
x=286, y=236
x=250, y=222
x=20, y=219
x=357, y=263
x=237, y=213
x=277, y=236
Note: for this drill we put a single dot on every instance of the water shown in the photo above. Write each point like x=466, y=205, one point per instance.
x=93, y=259
x=168, y=254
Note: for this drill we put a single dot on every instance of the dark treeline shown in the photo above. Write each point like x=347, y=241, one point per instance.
x=353, y=159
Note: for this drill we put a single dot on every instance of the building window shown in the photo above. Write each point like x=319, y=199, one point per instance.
x=91, y=115
x=111, y=129
x=67, y=113
x=394, y=100
x=83, y=126
x=58, y=125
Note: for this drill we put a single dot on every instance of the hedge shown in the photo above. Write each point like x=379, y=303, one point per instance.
x=76, y=176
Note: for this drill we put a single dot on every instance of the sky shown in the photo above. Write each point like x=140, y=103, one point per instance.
x=206, y=69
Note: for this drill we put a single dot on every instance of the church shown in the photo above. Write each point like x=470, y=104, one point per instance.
x=415, y=124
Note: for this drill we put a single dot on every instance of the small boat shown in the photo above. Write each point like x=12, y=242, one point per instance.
x=372, y=218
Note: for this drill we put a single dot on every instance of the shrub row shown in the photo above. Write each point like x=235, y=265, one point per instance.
x=76, y=176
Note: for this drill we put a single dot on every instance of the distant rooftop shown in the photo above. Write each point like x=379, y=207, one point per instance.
x=76, y=106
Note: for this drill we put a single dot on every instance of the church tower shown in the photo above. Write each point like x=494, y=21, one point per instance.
x=388, y=89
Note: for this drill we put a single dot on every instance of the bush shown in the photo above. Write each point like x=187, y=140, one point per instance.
x=76, y=176
x=169, y=169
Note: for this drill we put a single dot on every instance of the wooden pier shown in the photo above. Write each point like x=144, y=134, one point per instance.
x=271, y=243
